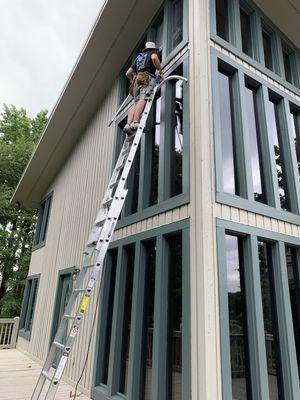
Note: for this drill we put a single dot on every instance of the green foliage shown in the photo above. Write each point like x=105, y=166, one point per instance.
x=18, y=136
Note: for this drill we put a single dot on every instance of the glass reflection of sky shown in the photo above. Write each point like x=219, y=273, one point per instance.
x=273, y=132
x=251, y=118
x=157, y=121
x=232, y=260
x=178, y=127
x=226, y=134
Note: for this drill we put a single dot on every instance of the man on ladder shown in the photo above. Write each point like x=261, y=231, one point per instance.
x=142, y=75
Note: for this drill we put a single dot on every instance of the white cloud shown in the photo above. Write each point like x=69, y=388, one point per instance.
x=40, y=41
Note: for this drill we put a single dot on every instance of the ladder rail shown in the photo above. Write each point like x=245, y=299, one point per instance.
x=101, y=235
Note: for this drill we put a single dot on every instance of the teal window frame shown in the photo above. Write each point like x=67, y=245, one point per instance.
x=159, y=380
x=42, y=223
x=259, y=22
x=255, y=323
x=28, y=305
x=245, y=200
x=59, y=287
x=165, y=202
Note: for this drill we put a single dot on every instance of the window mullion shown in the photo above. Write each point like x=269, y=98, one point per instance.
x=224, y=315
x=144, y=166
x=256, y=334
x=163, y=181
x=136, y=332
x=235, y=33
x=272, y=188
x=114, y=370
x=278, y=56
x=258, y=38
x=186, y=333
x=244, y=142
x=287, y=344
x=160, y=334
x=289, y=155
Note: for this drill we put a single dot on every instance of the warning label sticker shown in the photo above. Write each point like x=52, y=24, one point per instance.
x=74, y=331
x=61, y=367
x=84, y=303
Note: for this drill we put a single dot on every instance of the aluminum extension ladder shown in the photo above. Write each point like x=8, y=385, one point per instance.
x=97, y=245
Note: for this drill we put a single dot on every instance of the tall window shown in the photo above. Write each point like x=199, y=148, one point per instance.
x=149, y=333
x=230, y=182
x=255, y=148
x=29, y=300
x=42, y=222
x=176, y=138
x=222, y=19
x=246, y=32
x=287, y=62
x=270, y=322
x=125, y=334
x=294, y=115
x=275, y=138
x=294, y=289
x=240, y=377
x=268, y=50
x=176, y=23
x=148, y=323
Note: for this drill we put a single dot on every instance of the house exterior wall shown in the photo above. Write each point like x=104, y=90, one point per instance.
x=80, y=184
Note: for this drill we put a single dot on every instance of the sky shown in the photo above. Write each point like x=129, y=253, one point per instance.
x=40, y=41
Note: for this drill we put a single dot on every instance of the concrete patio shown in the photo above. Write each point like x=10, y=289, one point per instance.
x=18, y=376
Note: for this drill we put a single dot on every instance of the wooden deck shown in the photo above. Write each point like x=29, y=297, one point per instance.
x=18, y=376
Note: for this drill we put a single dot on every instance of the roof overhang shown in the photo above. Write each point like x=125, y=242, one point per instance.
x=285, y=14
x=116, y=31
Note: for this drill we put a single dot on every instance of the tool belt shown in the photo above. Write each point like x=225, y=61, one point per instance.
x=141, y=79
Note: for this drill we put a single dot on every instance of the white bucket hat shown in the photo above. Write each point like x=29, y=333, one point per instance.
x=150, y=45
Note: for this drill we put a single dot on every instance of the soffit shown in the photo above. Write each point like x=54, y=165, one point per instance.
x=285, y=14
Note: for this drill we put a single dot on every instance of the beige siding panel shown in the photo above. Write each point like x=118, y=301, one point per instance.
x=256, y=220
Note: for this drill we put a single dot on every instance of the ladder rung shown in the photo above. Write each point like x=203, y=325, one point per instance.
x=47, y=375
x=120, y=167
x=79, y=290
x=112, y=185
x=107, y=202
x=88, y=266
x=68, y=316
x=59, y=345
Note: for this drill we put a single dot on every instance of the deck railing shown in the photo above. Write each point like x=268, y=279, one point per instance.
x=8, y=332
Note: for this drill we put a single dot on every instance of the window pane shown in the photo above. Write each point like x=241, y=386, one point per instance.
x=37, y=236
x=133, y=182
x=127, y=318
x=177, y=139
x=272, y=121
x=270, y=327
x=26, y=302
x=175, y=319
x=154, y=148
x=148, y=318
x=227, y=141
x=287, y=66
x=111, y=264
x=222, y=19
x=46, y=219
x=292, y=270
x=255, y=150
x=267, y=45
x=32, y=305
x=176, y=17
x=246, y=32
x=237, y=319
x=296, y=133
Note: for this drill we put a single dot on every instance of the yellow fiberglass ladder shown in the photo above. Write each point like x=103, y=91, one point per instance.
x=96, y=246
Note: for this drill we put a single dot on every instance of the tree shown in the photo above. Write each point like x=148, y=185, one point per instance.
x=18, y=136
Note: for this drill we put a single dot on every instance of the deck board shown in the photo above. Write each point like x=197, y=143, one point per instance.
x=18, y=376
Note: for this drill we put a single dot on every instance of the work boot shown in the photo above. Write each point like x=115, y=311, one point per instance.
x=126, y=129
x=134, y=126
